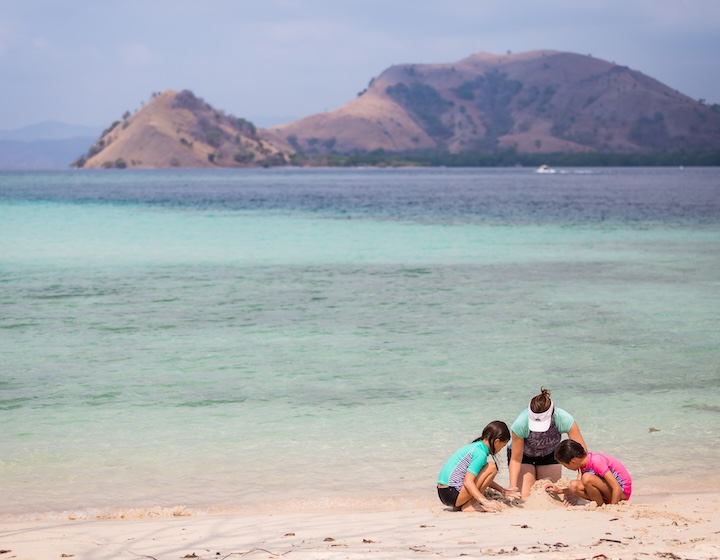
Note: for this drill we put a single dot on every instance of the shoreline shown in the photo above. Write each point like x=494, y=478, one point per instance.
x=672, y=525
x=302, y=501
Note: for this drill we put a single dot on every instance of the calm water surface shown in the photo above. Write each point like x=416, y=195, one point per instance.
x=239, y=340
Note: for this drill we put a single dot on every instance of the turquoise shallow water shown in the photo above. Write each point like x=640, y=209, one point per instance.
x=314, y=338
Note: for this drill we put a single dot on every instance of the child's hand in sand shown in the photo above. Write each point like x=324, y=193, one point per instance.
x=569, y=499
x=491, y=505
x=552, y=489
x=513, y=496
x=484, y=506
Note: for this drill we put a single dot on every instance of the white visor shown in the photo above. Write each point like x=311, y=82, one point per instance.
x=540, y=421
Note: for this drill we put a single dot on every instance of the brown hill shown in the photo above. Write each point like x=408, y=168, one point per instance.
x=181, y=130
x=535, y=102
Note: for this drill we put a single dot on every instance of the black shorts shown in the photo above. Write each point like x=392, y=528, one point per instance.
x=548, y=459
x=448, y=496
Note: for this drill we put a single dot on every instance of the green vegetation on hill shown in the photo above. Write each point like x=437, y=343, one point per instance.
x=510, y=158
x=426, y=104
x=493, y=93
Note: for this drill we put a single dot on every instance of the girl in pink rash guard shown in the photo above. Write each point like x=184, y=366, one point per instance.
x=604, y=480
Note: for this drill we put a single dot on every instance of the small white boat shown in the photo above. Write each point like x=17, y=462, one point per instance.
x=545, y=169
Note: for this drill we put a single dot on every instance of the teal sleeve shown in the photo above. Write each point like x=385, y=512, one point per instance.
x=478, y=462
x=520, y=426
x=563, y=420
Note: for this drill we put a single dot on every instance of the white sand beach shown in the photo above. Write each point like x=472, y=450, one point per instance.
x=675, y=526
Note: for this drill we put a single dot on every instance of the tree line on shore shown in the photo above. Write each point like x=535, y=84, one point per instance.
x=511, y=158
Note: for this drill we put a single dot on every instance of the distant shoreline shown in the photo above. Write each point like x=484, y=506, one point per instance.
x=513, y=159
x=430, y=159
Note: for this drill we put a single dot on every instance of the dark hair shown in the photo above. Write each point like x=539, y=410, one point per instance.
x=568, y=450
x=496, y=430
x=541, y=402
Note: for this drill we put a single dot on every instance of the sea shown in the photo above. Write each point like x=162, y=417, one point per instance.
x=191, y=342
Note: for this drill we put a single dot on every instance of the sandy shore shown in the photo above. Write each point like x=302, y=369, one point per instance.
x=674, y=526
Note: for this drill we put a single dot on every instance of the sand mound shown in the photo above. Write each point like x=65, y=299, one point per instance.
x=539, y=499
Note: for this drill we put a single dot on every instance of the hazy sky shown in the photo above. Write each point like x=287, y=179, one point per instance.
x=88, y=61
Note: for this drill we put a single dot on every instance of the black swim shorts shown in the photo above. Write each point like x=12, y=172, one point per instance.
x=548, y=459
x=448, y=495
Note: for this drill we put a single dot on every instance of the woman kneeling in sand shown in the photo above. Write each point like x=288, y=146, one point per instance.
x=467, y=473
x=536, y=433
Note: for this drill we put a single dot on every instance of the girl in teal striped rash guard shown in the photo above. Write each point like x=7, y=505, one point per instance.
x=467, y=473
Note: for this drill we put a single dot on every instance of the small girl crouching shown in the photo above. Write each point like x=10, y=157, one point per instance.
x=467, y=473
x=603, y=480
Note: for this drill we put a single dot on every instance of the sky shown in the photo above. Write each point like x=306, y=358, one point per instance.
x=86, y=62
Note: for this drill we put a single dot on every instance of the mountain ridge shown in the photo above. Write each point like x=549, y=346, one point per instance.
x=535, y=102
x=538, y=102
x=42, y=154
x=49, y=130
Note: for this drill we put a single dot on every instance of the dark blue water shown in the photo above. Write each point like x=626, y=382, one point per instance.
x=630, y=196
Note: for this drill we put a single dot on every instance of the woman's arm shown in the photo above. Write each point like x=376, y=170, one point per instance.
x=575, y=435
x=518, y=447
